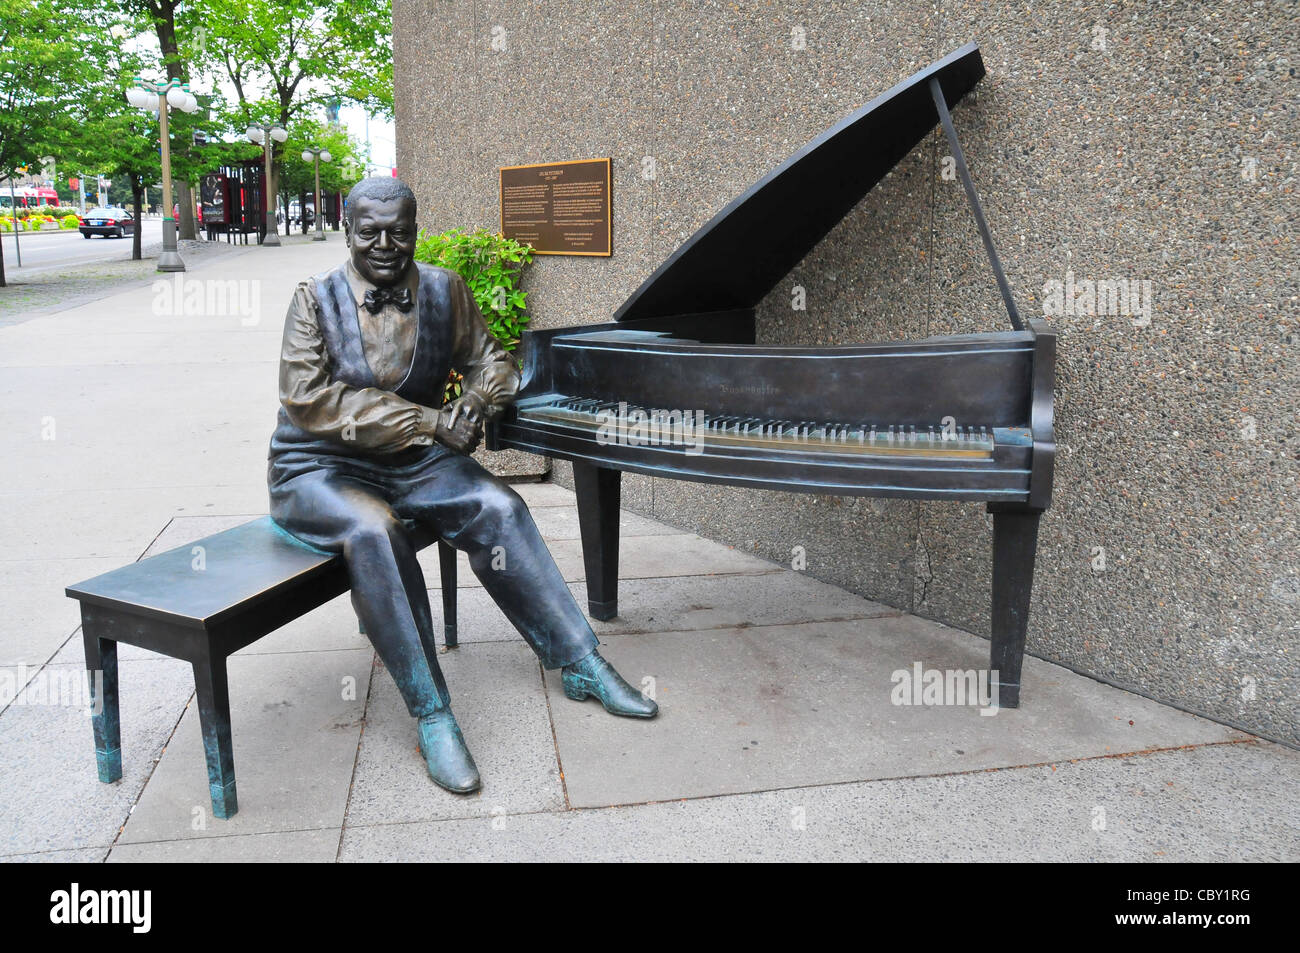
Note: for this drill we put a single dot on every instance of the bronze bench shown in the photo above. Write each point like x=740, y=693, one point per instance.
x=253, y=579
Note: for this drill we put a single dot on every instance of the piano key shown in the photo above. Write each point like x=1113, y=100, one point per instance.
x=755, y=432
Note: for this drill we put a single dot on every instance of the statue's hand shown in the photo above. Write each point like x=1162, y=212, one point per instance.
x=469, y=404
x=460, y=427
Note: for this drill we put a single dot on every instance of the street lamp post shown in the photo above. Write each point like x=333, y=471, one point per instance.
x=317, y=154
x=156, y=97
x=267, y=134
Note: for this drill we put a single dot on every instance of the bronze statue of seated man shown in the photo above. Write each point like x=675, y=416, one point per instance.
x=363, y=443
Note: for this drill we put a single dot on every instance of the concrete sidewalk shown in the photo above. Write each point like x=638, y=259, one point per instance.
x=129, y=431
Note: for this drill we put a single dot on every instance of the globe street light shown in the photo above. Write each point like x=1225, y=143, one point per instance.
x=317, y=155
x=156, y=97
x=267, y=134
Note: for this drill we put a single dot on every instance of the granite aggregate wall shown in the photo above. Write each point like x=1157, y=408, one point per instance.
x=1150, y=142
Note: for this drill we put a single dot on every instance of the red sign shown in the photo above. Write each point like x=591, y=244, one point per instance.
x=74, y=183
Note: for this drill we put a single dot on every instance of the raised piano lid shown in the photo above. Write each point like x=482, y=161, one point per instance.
x=739, y=256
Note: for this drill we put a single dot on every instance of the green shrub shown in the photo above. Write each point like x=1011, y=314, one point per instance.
x=492, y=267
x=69, y=221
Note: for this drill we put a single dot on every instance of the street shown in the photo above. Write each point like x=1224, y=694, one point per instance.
x=54, y=249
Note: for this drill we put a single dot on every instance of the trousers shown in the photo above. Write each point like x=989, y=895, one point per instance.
x=356, y=505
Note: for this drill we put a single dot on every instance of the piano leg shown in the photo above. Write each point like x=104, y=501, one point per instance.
x=1015, y=542
x=598, y=507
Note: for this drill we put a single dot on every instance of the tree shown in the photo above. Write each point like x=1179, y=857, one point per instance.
x=161, y=17
x=48, y=60
x=305, y=53
x=117, y=138
x=298, y=177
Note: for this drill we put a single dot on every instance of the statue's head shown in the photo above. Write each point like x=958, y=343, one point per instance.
x=381, y=229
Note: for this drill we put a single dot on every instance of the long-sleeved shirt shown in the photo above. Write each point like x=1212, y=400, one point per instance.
x=375, y=419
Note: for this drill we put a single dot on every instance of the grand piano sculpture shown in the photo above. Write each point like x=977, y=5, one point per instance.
x=959, y=417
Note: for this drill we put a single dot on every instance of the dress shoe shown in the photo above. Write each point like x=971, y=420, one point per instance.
x=592, y=675
x=445, y=754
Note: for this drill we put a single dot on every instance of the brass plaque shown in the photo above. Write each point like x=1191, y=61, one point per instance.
x=560, y=208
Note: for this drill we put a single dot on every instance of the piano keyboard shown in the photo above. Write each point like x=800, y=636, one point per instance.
x=724, y=432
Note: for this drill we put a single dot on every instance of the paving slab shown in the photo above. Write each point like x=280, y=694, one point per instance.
x=561, y=522
x=37, y=617
x=675, y=554
x=62, y=525
x=295, y=741
x=183, y=530
x=111, y=523
x=59, y=288
x=115, y=292
x=1230, y=802
x=293, y=847
x=497, y=695
x=689, y=603
x=785, y=706
x=545, y=494
x=683, y=603
x=216, y=340
x=50, y=795
x=137, y=425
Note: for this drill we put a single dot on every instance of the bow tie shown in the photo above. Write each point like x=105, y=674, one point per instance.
x=377, y=298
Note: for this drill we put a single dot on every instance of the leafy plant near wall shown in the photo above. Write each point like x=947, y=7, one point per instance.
x=492, y=266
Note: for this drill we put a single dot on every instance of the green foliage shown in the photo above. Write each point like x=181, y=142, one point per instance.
x=67, y=63
x=48, y=60
x=343, y=170
x=492, y=266
x=69, y=221
x=51, y=50
x=118, y=139
x=303, y=52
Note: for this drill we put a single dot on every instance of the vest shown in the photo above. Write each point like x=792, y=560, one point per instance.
x=336, y=311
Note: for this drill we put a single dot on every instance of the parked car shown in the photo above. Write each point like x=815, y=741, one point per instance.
x=108, y=221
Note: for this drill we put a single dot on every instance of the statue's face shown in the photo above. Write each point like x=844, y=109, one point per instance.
x=382, y=239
